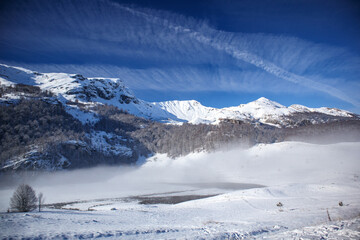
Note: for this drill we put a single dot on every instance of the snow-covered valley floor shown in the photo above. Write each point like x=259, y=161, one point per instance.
x=246, y=187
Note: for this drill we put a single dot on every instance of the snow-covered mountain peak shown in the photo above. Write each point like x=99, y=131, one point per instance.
x=77, y=88
x=300, y=108
x=72, y=88
x=261, y=109
x=16, y=75
x=264, y=102
x=188, y=110
x=324, y=110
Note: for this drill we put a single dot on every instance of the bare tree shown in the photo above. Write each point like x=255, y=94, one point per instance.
x=24, y=199
x=41, y=200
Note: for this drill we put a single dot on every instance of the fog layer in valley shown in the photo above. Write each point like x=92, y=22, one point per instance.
x=269, y=165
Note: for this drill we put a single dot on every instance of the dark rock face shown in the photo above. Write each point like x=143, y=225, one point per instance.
x=125, y=99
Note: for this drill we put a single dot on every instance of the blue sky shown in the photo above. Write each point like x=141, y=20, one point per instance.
x=221, y=53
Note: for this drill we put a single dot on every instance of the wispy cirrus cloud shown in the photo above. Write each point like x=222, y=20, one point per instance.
x=216, y=40
x=165, y=51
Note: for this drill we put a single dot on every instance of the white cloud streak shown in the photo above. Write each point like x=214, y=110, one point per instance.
x=151, y=49
x=248, y=57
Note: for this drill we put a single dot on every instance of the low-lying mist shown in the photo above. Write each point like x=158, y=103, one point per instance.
x=272, y=164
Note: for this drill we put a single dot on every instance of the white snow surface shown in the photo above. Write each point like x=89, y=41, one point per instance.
x=88, y=91
x=112, y=91
x=308, y=179
x=262, y=110
x=102, y=142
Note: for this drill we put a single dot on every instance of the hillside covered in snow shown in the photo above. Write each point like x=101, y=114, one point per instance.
x=261, y=110
x=54, y=121
x=288, y=190
x=70, y=88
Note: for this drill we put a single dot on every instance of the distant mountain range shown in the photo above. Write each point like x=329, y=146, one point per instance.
x=89, y=91
x=54, y=121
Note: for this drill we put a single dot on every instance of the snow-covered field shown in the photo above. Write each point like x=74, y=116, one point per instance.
x=246, y=187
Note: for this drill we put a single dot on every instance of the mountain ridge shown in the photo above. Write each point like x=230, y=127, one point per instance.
x=112, y=91
x=261, y=110
x=55, y=121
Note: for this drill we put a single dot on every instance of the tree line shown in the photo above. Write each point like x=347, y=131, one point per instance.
x=46, y=124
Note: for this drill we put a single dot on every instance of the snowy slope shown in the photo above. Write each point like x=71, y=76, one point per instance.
x=191, y=111
x=325, y=110
x=308, y=179
x=88, y=91
x=91, y=91
x=261, y=110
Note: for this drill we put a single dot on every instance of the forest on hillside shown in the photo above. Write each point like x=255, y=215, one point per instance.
x=38, y=127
